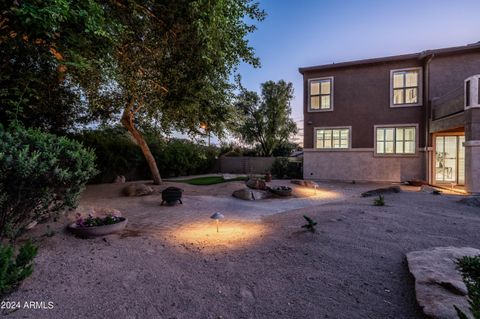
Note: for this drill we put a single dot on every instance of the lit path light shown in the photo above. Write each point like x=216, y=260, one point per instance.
x=217, y=216
x=235, y=234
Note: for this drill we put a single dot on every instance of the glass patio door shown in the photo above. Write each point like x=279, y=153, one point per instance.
x=450, y=159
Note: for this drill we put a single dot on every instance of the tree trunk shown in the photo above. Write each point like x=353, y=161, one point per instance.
x=127, y=121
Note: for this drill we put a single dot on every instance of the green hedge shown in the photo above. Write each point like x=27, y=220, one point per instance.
x=117, y=154
x=40, y=175
x=283, y=167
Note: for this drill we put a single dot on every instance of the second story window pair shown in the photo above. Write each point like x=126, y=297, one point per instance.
x=405, y=87
x=321, y=94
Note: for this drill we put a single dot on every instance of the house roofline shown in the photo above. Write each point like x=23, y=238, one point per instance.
x=411, y=56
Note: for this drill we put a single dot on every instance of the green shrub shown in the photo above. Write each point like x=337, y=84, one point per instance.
x=15, y=269
x=40, y=175
x=117, y=154
x=380, y=201
x=295, y=170
x=310, y=225
x=470, y=268
x=282, y=167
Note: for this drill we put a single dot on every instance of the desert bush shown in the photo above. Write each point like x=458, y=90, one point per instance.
x=14, y=269
x=40, y=175
x=310, y=225
x=380, y=201
x=470, y=268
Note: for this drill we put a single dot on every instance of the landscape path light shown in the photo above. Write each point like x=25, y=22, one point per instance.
x=217, y=216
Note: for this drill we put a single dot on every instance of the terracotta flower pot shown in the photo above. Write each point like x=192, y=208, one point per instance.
x=95, y=231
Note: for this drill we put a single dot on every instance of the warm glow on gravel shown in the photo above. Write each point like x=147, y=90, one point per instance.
x=316, y=193
x=231, y=235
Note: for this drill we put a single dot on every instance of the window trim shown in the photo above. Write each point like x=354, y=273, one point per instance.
x=420, y=87
x=332, y=128
x=375, y=127
x=309, y=108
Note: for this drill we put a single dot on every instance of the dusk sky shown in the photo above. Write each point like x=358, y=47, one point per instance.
x=305, y=33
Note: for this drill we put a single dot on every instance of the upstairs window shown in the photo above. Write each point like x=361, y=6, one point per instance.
x=396, y=140
x=332, y=138
x=406, y=89
x=321, y=94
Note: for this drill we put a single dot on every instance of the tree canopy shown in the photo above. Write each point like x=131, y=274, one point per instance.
x=267, y=120
x=174, y=61
x=50, y=52
x=159, y=63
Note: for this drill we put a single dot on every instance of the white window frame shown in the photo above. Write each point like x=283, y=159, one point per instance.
x=420, y=87
x=394, y=126
x=331, y=78
x=349, y=128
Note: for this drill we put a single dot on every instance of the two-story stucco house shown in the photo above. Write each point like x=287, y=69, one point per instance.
x=398, y=118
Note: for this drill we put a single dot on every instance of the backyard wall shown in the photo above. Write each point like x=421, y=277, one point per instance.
x=245, y=164
x=361, y=165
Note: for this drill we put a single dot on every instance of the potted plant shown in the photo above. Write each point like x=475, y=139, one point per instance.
x=97, y=226
x=282, y=191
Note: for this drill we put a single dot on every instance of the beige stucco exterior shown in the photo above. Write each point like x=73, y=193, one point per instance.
x=361, y=165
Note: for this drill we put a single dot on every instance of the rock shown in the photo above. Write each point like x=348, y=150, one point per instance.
x=429, y=189
x=137, y=190
x=438, y=282
x=251, y=194
x=309, y=184
x=120, y=179
x=298, y=182
x=473, y=201
x=416, y=182
x=256, y=184
x=382, y=191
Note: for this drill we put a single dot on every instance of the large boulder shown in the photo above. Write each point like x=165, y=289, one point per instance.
x=382, y=191
x=137, y=189
x=119, y=179
x=309, y=184
x=251, y=194
x=438, y=282
x=256, y=184
x=473, y=201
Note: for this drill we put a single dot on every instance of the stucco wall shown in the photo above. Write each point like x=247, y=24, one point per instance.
x=448, y=72
x=472, y=167
x=361, y=165
x=361, y=99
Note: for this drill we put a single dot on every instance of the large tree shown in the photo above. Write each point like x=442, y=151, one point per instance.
x=51, y=53
x=174, y=61
x=267, y=120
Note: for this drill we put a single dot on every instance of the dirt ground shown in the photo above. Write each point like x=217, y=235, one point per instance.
x=171, y=263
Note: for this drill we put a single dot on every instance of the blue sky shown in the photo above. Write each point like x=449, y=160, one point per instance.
x=305, y=33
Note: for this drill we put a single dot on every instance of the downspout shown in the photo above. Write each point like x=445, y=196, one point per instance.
x=428, y=113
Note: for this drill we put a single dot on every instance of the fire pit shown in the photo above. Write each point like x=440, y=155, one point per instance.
x=172, y=195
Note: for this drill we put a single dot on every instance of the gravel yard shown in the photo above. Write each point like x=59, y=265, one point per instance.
x=171, y=263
